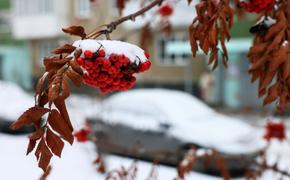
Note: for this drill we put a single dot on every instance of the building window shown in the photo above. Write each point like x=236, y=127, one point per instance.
x=45, y=48
x=173, y=50
x=82, y=8
x=31, y=7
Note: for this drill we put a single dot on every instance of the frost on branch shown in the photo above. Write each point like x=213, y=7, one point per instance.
x=211, y=28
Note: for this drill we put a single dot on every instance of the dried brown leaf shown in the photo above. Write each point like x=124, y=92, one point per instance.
x=65, y=49
x=75, y=77
x=32, y=115
x=76, y=31
x=58, y=124
x=54, y=142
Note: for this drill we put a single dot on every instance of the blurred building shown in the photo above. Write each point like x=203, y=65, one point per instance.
x=14, y=56
x=39, y=22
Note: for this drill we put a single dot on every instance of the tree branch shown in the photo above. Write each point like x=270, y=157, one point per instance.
x=113, y=25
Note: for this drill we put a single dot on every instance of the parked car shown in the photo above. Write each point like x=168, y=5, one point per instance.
x=161, y=125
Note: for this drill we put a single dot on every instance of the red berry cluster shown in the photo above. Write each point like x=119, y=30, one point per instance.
x=109, y=73
x=258, y=5
x=165, y=10
x=82, y=135
x=275, y=130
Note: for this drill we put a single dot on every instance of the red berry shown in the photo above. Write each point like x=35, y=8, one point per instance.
x=144, y=66
x=80, y=61
x=113, y=58
x=147, y=55
x=165, y=10
x=258, y=6
x=275, y=130
x=101, y=53
x=107, y=63
x=88, y=54
x=88, y=64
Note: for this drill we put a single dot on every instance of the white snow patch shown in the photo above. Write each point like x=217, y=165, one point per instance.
x=76, y=163
x=133, y=52
x=13, y=101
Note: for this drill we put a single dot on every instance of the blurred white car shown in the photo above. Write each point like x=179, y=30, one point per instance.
x=158, y=124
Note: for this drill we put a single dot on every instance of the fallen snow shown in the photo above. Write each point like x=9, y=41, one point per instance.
x=133, y=52
x=75, y=163
x=13, y=101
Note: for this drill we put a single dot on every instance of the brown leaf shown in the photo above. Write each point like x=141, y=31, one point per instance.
x=60, y=104
x=65, y=91
x=43, y=99
x=54, y=90
x=38, y=149
x=37, y=134
x=121, y=6
x=146, y=37
x=65, y=49
x=77, y=53
x=53, y=64
x=273, y=93
x=45, y=157
x=54, y=142
x=76, y=31
x=30, y=116
x=286, y=67
x=193, y=44
x=40, y=83
x=76, y=78
x=31, y=146
x=58, y=124
x=76, y=67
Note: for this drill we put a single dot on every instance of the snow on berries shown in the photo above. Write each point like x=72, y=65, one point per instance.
x=275, y=130
x=111, y=65
x=258, y=6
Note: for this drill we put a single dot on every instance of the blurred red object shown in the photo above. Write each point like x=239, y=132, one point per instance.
x=258, y=6
x=275, y=130
x=166, y=10
x=82, y=135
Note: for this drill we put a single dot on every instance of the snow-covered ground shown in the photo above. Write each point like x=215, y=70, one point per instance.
x=76, y=163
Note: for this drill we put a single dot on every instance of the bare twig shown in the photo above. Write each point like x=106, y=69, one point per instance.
x=113, y=25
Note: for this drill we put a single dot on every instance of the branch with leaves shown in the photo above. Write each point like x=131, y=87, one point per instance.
x=52, y=90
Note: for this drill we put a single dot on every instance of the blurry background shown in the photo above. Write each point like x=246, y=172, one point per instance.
x=31, y=29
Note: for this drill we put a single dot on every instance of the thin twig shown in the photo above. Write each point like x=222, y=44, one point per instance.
x=113, y=25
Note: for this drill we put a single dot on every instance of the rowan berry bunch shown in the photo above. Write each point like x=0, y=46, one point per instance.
x=110, y=72
x=275, y=130
x=258, y=6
